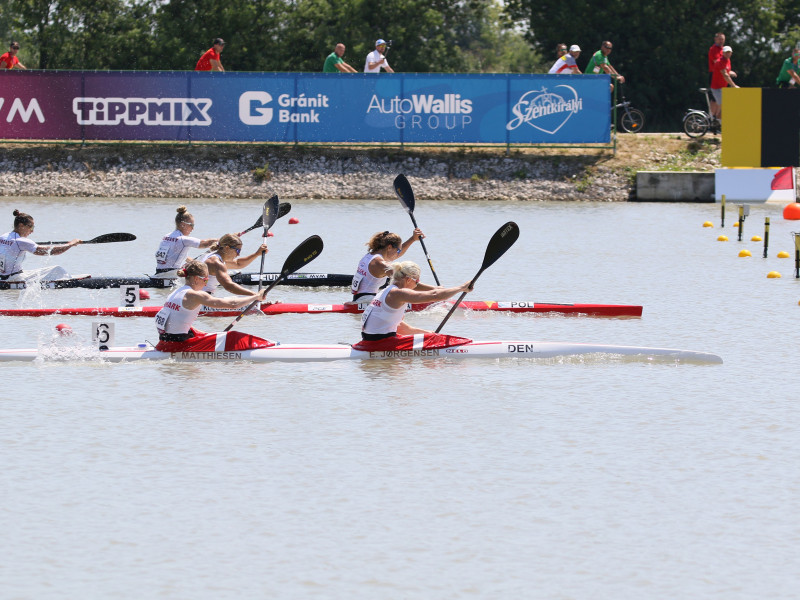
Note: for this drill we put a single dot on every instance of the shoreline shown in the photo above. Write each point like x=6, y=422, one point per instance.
x=254, y=171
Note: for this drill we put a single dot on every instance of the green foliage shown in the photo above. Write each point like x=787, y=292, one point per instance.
x=262, y=174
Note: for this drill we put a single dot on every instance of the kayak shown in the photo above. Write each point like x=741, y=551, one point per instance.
x=87, y=281
x=331, y=352
x=280, y=308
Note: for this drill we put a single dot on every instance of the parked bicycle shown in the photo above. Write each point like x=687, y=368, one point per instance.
x=631, y=119
x=696, y=122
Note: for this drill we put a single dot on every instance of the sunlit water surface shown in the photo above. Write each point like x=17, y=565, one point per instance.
x=596, y=478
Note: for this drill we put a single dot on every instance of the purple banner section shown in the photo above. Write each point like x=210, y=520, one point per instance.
x=305, y=107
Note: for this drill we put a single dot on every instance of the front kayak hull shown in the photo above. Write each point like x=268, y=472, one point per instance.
x=332, y=352
x=279, y=308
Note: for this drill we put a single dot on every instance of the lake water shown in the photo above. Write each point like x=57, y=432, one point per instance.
x=592, y=478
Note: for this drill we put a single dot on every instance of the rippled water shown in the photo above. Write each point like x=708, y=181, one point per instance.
x=481, y=479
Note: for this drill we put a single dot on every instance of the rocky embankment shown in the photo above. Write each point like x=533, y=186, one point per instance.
x=249, y=171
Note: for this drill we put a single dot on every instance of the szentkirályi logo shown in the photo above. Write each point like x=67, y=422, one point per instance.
x=546, y=111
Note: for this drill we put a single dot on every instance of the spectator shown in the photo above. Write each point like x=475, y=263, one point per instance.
x=599, y=64
x=721, y=77
x=566, y=65
x=561, y=50
x=376, y=59
x=9, y=60
x=714, y=54
x=335, y=64
x=210, y=61
x=789, y=77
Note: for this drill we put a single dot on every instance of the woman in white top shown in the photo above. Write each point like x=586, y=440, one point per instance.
x=226, y=254
x=174, y=247
x=374, y=268
x=383, y=318
x=175, y=319
x=14, y=245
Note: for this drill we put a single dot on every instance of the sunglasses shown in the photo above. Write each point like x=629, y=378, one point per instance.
x=237, y=249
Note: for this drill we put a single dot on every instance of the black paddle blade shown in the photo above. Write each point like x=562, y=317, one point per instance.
x=307, y=251
x=271, y=210
x=403, y=190
x=284, y=209
x=501, y=241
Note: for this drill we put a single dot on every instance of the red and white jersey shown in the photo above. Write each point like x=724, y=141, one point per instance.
x=379, y=317
x=365, y=282
x=173, y=316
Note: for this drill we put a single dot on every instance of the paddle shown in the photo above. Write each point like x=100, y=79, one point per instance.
x=403, y=190
x=307, y=251
x=271, y=209
x=501, y=241
x=100, y=239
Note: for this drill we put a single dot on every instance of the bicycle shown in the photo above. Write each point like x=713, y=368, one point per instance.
x=696, y=122
x=632, y=119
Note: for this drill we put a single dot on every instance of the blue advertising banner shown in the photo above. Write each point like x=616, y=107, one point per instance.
x=306, y=107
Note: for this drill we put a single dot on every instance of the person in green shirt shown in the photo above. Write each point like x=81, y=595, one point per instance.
x=335, y=64
x=599, y=64
x=789, y=77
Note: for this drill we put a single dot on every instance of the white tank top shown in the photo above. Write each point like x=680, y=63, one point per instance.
x=363, y=281
x=173, y=317
x=12, y=252
x=212, y=284
x=171, y=254
x=379, y=317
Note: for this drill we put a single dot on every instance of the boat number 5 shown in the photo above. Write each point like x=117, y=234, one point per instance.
x=103, y=335
x=129, y=295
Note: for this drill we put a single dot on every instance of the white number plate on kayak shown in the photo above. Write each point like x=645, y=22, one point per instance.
x=320, y=307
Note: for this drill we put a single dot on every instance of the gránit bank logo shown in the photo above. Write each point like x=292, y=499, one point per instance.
x=546, y=111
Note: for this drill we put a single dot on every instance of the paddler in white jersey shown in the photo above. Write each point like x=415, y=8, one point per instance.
x=226, y=254
x=14, y=245
x=174, y=247
x=383, y=318
x=175, y=319
x=374, y=268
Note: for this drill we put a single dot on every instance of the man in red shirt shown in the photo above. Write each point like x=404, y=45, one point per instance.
x=714, y=54
x=9, y=60
x=721, y=78
x=210, y=61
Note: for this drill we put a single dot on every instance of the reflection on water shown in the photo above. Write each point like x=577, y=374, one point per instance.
x=574, y=477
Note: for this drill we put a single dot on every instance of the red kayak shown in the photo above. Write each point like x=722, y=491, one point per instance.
x=279, y=308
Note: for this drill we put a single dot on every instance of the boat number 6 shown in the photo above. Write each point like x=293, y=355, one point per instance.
x=103, y=335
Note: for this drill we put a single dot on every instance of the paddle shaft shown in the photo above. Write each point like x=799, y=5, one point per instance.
x=424, y=249
x=106, y=238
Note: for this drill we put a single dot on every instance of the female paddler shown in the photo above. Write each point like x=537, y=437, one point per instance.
x=174, y=247
x=383, y=322
x=374, y=267
x=175, y=319
x=14, y=245
x=226, y=254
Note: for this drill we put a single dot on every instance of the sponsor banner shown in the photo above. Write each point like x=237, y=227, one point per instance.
x=302, y=107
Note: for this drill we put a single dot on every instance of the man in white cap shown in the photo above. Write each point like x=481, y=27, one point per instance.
x=376, y=59
x=721, y=77
x=566, y=65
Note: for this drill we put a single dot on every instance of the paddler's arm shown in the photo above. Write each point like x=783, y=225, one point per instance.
x=399, y=296
x=56, y=250
x=194, y=298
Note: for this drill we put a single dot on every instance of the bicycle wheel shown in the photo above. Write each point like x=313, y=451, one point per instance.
x=695, y=124
x=632, y=120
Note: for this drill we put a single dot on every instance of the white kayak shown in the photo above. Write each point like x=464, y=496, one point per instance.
x=329, y=352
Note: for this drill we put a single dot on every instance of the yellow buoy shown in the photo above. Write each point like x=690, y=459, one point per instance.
x=755, y=238
x=736, y=224
x=722, y=238
x=773, y=275
x=783, y=254
x=708, y=224
x=745, y=253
